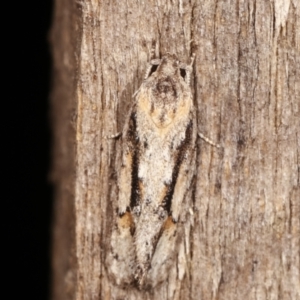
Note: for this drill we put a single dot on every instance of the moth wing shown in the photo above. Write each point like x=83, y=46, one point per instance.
x=186, y=172
x=125, y=172
x=163, y=256
x=121, y=259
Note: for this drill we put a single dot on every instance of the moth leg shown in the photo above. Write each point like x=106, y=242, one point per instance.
x=113, y=136
x=207, y=140
x=153, y=62
x=188, y=69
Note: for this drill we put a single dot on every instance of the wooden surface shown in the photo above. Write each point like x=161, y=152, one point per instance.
x=244, y=225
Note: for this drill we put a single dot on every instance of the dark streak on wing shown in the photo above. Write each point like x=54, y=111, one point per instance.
x=181, y=151
x=152, y=107
x=134, y=142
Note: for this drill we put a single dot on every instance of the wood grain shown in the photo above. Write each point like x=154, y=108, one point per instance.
x=244, y=225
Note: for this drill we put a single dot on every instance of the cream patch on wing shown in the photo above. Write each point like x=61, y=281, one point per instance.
x=125, y=221
x=163, y=116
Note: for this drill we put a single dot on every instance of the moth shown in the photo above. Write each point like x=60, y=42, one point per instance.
x=157, y=165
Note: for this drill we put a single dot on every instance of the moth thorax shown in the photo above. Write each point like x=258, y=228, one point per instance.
x=169, y=65
x=165, y=89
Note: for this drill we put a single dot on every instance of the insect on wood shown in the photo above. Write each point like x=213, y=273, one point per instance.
x=158, y=163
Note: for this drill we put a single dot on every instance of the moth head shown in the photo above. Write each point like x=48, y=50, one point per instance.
x=169, y=65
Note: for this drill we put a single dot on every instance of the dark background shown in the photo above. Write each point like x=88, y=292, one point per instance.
x=29, y=217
